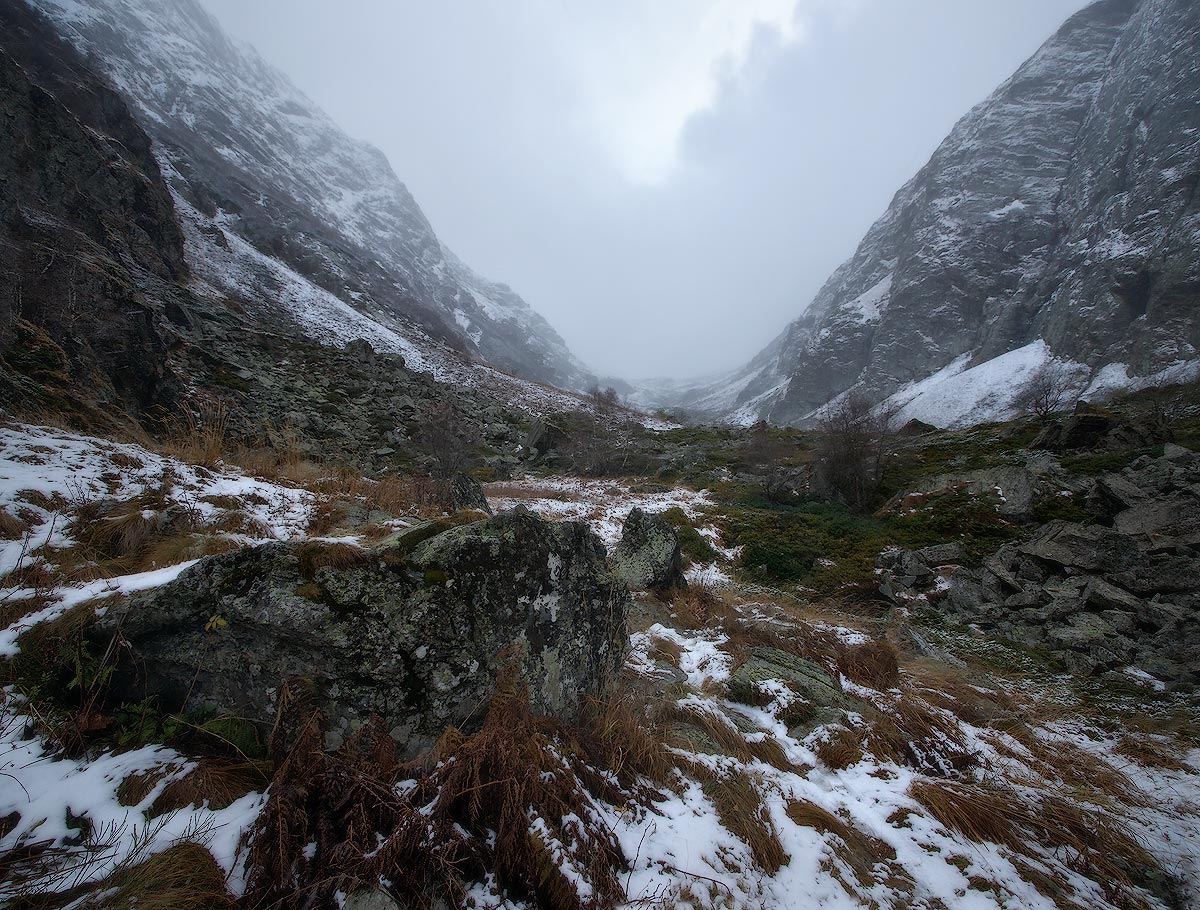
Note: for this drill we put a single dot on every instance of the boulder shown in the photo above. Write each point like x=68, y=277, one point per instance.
x=1087, y=547
x=819, y=696
x=464, y=492
x=1013, y=487
x=414, y=631
x=648, y=556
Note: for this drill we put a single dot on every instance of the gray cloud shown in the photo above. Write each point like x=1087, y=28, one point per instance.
x=669, y=183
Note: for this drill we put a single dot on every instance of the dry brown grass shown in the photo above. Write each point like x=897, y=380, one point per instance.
x=511, y=800
x=841, y=748
x=199, y=437
x=1089, y=840
x=723, y=733
x=314, y=554
x=665, y=649
x=910, y=732
x=873, y=664
x=859, y=850
x=215, y=782
x=12, y=527
x=1152, y=752
x=182, y=877
x=741, y=812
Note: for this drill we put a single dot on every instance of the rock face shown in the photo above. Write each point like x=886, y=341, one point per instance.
x=648, y=556
x=89, y=246
x=1060, y=218
x=415, y=631
x=282, y=209
x=1105, y=598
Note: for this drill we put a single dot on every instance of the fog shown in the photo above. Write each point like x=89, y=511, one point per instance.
x=668, y=181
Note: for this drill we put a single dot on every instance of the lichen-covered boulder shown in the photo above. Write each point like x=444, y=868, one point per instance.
x=816, y=695
x=414, y=631
x=648, y=556
x=464, y=492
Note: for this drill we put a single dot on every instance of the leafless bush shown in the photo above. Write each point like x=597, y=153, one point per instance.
x=1053, y=388
x=605, y=401
x=450, y=441
x=854, y=448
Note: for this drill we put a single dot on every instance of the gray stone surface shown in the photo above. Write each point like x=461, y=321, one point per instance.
x=648, y=556
x=1103, y=598
x=414, y=631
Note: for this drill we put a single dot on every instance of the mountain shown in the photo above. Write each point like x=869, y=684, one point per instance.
x=132, y=304
x=1059, y=221
x=282, y=208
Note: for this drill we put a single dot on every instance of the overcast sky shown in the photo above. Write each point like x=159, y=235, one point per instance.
x=668, y=181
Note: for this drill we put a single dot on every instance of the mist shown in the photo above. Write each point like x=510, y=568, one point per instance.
x=669, y=183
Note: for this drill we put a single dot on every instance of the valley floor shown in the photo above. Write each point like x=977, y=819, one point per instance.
x=941, y=769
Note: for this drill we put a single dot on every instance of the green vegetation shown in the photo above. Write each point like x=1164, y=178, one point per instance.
x=825, y=546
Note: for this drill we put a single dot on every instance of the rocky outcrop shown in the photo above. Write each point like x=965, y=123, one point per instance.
x=648, y=556
x=1060, y=217
x=1104, y=598
x=415, y=631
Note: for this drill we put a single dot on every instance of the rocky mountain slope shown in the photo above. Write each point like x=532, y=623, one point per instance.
x=1059, y=220
x=282, y=208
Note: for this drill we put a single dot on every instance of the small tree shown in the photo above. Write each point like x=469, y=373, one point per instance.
x=450, y=441
x=853, y=449
x=1052, y=389
x=605, y=401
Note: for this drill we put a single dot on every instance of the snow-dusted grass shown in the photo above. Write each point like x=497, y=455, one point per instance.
x=50, y=477
x=43, y=791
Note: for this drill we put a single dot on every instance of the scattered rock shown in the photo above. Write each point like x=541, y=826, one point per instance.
x=414, y=631
x=648, y=556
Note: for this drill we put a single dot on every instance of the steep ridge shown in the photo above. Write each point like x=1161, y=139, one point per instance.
x=267, y=185
x=1059, y=220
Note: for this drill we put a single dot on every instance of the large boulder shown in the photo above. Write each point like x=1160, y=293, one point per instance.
x=648, y=556
x=415, y=631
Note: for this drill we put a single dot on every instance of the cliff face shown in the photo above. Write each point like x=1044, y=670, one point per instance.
x=249, y=156
x=1059, y=219
x=89, y=245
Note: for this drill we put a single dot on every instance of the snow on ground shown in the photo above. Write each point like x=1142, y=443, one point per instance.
x=683, y=842
x=604, y=504
x=44, y=791
x=46, y=473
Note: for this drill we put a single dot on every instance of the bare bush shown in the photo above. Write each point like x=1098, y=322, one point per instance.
x=1053, y=388
x=605, y=401
x=853, y=450
x=450, y=441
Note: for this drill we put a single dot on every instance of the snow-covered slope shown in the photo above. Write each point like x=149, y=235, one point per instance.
x=256, y=160
x=1060, y=215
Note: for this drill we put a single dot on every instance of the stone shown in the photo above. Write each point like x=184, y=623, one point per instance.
x=1086, y=547
x=464, y=492
x=821, y=699
x=946, y=554
x=414, y=632
x=1014, y=487
x=648, y=556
